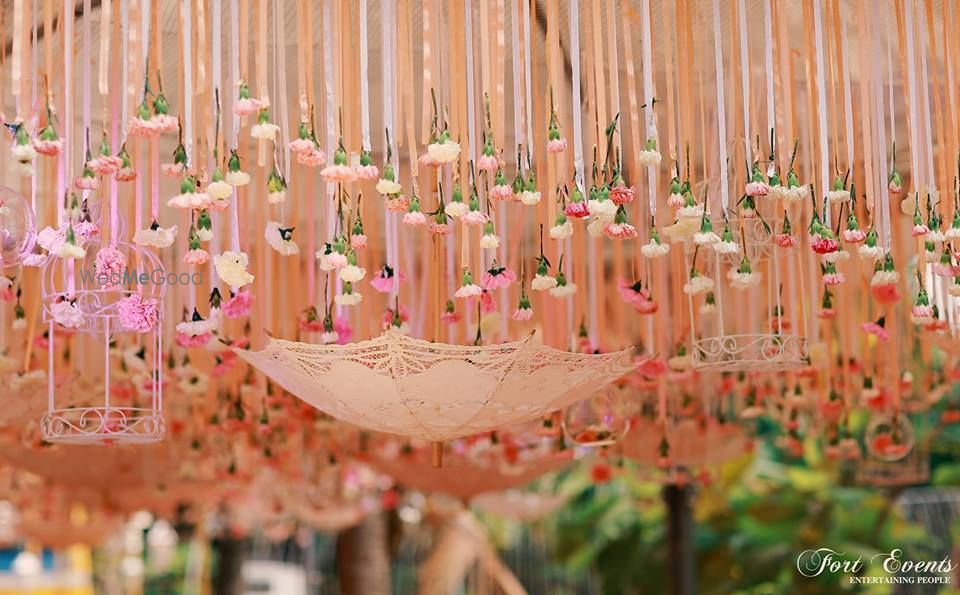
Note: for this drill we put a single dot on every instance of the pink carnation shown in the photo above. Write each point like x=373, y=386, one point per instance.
x=557, y=145
x=142, y=128
x=919, y=230
x=387, y=318
x=823, y=245
x=196, y=257
x=785, y=240
x=474, y=218
x=188, y=340
x=621, y=194
x=126, y=174
x=487, y=305
x=50, y=148
x=495, y=281
x=164, y=122
x=450, y=317
x=105, y=164
x=854, y=236
x=637, y=296
x=886, y=293
x=358, y=241
x=338, y=173
x=174, y=170
x=366, y=172
x=426, y=160
x=619, y=231
x=440, y=229
x=522, y=314
x=87, y=230
x=398, y=204
x=138, y=314
x=301, y=145
x=756, y=189
x=238, y=306
x=247, y=106
x=414, y=218
x=487, y=163
x=312, y=158
x=385, y=284
x=577, y=209
x=343, y=329
x=501, y=192
x=86, y=183
x=110, y=263
x=833, y=279
x=876, y=330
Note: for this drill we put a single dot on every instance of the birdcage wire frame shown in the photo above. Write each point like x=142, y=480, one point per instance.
x=763, y=347
x=106, y=423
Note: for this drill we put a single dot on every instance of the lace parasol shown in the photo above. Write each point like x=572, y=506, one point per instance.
x=435, y=391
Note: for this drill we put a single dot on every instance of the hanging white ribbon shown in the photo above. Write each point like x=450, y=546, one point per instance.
x=217, y=66
x=912, y=99
x=721, y=108
x=364, y=83
x=106, y=33
x=847, y=94
x=186, y=8
x=822, y=108
x=927, y=143
x=389, y=48
x=331, y=107
x=85, y=58
x=235, y=119
x=880, y=136
x=518, y=98
x=745, y=73
x=651, y=119
x=63, y=171
x=471, y=109
x=577, y=102
x=768, y=62
x=16, y=64
x=124, y=51
x=527, y=67
x=280, y=68
x=893, y=126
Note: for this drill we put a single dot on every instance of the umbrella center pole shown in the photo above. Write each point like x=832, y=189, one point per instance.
x=437, y=455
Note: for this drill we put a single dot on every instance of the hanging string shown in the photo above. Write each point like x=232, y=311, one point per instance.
x=389, y=59
x=721, y=109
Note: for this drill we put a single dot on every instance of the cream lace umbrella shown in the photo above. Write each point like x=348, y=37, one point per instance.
x=435, y=391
